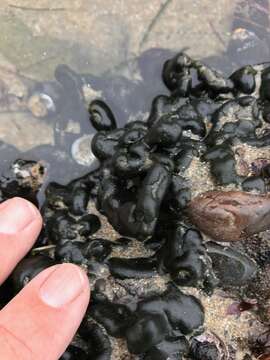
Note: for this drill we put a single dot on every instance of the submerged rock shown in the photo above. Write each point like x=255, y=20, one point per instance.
x=231, y=267
x=230, y=216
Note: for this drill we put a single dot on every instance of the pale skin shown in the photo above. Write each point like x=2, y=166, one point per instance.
x=40, y=322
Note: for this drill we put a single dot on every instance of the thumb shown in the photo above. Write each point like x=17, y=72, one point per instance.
x=40, y=322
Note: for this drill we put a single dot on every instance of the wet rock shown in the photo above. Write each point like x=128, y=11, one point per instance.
x=254, y=183
x=230, y=216
x=231, y=267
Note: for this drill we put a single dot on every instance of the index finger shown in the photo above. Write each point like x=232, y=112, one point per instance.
x=20, y=224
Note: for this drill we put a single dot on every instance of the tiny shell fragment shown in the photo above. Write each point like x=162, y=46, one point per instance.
x=230, y=216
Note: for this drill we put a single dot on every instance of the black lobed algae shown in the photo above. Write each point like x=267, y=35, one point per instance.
x=142, y=189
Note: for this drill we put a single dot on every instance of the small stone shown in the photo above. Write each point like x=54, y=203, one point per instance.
x=230, y=216
x=231, y=267
x=254, y=183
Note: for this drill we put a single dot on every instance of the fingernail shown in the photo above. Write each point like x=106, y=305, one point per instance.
x=16, y=214
x=62, y=286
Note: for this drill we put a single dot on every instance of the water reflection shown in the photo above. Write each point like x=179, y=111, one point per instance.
x=128, y=88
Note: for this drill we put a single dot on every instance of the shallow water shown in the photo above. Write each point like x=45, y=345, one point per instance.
x=121, y=46
x=101, y=38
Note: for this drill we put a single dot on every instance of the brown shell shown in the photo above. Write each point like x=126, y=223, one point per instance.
x=230, y=216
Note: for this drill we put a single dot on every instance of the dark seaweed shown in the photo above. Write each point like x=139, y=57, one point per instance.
x=142, y=189
x=28, y=268
x=74, y=353
x=155, y=325
x=101, y=116
x=184, y=256
x=98, y=343
x=132, y=268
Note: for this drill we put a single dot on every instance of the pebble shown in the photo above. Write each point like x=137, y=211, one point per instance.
x=231, y=215
x=231, y=267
